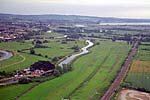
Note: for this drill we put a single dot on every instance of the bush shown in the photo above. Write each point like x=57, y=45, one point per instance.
x=75, y=48
x=97, y=43
x=45, y=41
x=24, y=81
x=55, y=59
x=32, y=51
x=64, y=42
x=46, y=56
x=39, y=54
x=38, y=42
x=56, y=73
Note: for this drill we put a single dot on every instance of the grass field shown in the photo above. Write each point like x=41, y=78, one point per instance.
x=20, y=63
x=139, y=73
x=91, y=75
x=57, y=49
x=23, y=60
x=19, y=60
x=12, y=91
x=143, y=55
x=47, y=35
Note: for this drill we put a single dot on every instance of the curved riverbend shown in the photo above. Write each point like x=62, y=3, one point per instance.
x=71, y=58
x=7, y=55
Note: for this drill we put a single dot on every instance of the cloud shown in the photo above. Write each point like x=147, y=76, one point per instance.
x=114, y=8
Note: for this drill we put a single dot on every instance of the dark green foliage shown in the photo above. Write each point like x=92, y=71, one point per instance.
x=32, y=51
x=24, y=81
x=55, y=59
x=45, y=41
x=42, y=65
x=75, y=48
x=64, y=42
x=97, y=43
x=38, y=42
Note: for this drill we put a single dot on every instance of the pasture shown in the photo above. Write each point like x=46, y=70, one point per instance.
x=12, y=91
x=91, y=75
x=22, y=60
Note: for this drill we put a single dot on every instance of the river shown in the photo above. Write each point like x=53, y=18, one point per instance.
x=71, y=58
x=125, y=23
x=7, y=55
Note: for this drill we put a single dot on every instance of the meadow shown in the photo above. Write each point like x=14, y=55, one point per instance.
x=57, y=49
x=22, y=60
x=91, y=75
x=12, y=91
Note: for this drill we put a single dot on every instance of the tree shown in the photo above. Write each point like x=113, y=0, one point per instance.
x=32, y=51
x=55, y=59
x=46, y=56
x=75, y=48
x=56, y=73
x=97, y=43
x=114, y=38
x=38, y=42
x=64, y=42
x=45, y=41
x=24, y=81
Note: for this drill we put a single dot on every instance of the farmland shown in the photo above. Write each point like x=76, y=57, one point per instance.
x=138, y=76
x=92, y=73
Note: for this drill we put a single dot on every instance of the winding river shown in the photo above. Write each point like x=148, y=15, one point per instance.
x=71, y=58
x=7, y=55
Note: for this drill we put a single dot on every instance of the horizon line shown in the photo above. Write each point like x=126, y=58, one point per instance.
x=73, y=15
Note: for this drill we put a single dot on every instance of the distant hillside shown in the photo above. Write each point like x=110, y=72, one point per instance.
x=71, y=18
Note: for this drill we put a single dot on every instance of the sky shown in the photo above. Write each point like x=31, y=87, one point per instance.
x=101, y=8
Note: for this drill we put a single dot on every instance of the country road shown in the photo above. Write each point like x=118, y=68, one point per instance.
x=111, y=91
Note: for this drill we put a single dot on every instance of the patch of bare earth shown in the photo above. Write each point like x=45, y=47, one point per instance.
x=127, y=94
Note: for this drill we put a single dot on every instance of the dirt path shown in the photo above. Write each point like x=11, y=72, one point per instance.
x=117, y=81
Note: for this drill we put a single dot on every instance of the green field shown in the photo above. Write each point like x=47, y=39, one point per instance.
x=139, y=73
x=47, y=35
x=91, y=75
x=56, y=48
x=143, y=55
x=23, y=60
x=12, y=91
x=20, y=63
x=19, y=60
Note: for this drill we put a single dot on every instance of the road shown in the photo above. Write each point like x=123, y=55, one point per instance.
x=71, y=58
x=111, y=91
x=7, y=55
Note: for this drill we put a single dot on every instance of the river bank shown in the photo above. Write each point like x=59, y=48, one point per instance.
x=71, y=58
x=6, y=55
